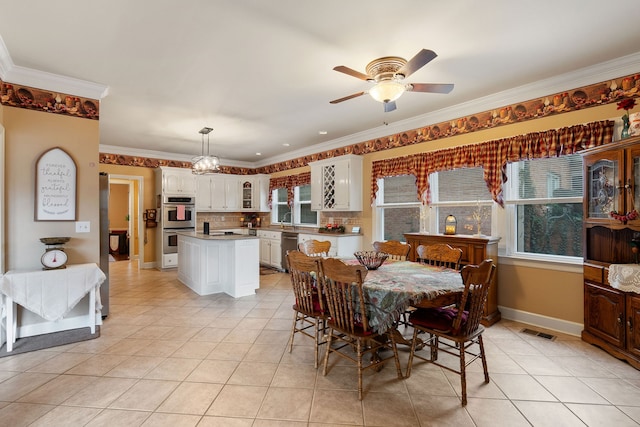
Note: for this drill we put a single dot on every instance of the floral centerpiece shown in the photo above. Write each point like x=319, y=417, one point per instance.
x=332, y=228
x=626, y=105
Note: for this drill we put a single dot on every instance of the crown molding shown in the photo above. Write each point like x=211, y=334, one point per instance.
x=152, y=154
x=11, y=73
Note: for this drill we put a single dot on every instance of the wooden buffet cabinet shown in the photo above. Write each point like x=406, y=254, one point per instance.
x=611, y=316
x=474, y=250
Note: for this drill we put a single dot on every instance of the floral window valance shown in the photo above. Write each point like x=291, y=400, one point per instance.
x=492, y=156
x=288, y=182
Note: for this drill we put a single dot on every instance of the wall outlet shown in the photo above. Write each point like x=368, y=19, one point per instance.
x=83, y=226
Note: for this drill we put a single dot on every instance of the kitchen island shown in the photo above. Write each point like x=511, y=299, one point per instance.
x=219, y=262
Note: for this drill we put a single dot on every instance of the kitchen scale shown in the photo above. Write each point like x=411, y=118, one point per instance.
x=54, y=256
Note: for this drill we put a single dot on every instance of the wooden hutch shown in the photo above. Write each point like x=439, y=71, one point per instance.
x=475, y=249
x=611, y=317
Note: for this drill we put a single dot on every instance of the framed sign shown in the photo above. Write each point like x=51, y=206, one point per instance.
x=55, y=186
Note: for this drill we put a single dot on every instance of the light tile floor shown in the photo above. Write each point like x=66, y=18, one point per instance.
x=168, y=357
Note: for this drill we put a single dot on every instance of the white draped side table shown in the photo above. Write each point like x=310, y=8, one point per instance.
x=51, y=294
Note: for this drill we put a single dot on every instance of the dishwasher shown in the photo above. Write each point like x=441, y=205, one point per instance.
x=289, y=242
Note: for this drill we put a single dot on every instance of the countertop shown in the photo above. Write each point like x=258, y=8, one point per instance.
x=304, y=230
x=202, y=236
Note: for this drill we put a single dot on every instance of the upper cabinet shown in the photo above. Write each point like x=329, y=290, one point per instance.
x=232, y=193
x=612, y=184
x=218, y=193
x=255, y=192
x=336, y=184
x=177, y=181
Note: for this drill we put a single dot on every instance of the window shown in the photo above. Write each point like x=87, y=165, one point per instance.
x=397, y=209
x=542, y=218
x=462, y=193
x=302, y=206
x=301, y=213
x=544, y=207
x=280, y=211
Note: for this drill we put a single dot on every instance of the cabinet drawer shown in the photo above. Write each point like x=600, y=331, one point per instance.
x=169, y=260
x=593, y=273
x=273, y=235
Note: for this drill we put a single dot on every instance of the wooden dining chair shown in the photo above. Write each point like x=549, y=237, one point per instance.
x=308, y=310
x=440, y=254
x=348, y=326
x=315, y=247
x=396, y=249
x=459, y=327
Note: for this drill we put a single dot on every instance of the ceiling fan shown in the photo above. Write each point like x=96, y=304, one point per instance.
x=388, y=74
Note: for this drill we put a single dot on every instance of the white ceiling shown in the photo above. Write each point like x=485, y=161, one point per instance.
x=260, y=72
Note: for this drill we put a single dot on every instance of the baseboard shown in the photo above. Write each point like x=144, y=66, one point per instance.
x=148, y=265
x=564, y=326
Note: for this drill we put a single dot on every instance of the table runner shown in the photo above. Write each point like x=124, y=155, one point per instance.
x=625, y=277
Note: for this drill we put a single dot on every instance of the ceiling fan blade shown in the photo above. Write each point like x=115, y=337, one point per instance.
x=430, y=87
x=352, y=72
x=346, y=98
x=421, y=59
x=389, y=106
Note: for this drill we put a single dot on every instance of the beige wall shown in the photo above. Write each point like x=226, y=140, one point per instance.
x=28, y=134
x=149, y=202
x=118, y=206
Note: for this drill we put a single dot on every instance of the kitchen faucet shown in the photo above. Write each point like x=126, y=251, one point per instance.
x=284, y=217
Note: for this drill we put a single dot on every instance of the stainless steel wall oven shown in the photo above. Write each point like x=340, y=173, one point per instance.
x=179, y=212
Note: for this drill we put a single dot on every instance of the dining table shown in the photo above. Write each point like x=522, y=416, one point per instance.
x=397, y=285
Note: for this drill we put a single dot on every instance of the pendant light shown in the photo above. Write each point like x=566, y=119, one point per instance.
x=205, y=163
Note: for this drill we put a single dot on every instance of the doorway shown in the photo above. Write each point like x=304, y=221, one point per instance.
x=125, y=219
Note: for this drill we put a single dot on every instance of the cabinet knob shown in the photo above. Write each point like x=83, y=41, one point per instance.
x=630, y=324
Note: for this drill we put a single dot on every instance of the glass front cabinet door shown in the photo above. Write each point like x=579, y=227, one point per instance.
x=633, y=180
x=612, y=183
x=247, y=195
x=602, y=186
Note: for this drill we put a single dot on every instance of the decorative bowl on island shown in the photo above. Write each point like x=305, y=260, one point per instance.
x=371, y=259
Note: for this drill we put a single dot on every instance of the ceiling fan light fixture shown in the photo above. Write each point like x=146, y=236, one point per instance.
x=205, y=164
x=387, y=91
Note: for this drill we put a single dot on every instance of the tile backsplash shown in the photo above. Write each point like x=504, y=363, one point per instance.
x=239, y=219
x=231, y=219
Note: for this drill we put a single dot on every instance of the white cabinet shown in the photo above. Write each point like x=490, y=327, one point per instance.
x=248, y=190
x=218, y=193
x=203, y=193
x=336, y=184
x=177, y=181
x=342, y=245
x=254, y=193
x=261, y=193
x=232, y=193
x=270, y=248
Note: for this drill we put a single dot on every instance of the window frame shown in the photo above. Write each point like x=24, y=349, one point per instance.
x=437, y=205
x=275, y=205
x=378, y=209
x=295, y=209
x=297, y=204
x=511, y=203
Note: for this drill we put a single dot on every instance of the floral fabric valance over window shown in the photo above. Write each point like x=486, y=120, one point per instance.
x=492, y=156
x=288, y=182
